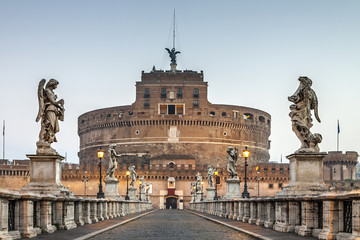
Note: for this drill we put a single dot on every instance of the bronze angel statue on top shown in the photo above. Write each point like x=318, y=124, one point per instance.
x=172, y=54
x=305, y=100
x=50, y=112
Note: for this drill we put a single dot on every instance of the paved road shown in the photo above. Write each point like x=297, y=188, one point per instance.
x=172, y=224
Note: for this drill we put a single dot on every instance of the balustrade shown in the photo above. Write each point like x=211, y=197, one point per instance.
x=28, y=214
x=327, y=216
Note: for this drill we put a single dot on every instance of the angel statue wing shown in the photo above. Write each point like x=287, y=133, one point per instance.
x=314, y=105
x=168, y=50
x=41, y=99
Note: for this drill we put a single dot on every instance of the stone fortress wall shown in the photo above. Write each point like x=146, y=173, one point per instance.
x=172, y=116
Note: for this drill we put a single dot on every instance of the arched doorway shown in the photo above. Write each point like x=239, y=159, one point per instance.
x=171, y=203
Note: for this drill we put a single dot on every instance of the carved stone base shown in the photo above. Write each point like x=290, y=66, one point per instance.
x=306, y=175
x=132, y=193
x=210, y=194
x=111, y=188
x=45, y=175
x=232, y=188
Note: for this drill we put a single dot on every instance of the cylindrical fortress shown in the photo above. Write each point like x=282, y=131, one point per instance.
x=172, y=121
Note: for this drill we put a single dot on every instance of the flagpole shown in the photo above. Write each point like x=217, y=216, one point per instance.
x=4, y=139
x=337, y=142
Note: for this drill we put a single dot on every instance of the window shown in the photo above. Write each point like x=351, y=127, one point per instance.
x=171, y=109
x=196, y=103
x=146, y=104
x=268, y=122
x=262, y=119
x=280, y=185
x=163, y=92
x=131, y=113
x=196, y=92
x=223, y=114
x=212, y=113
x=179, y=109
x=179, y=93
x=236, y=113
x=271, y=185
x=163, y=109
x=147, y=93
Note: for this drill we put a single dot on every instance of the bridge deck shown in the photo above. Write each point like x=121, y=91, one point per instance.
x=170, y=224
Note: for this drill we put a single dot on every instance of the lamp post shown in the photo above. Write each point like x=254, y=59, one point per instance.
x=216, y=183
x=127, y=185
x=85, y=180
x=245, y=193
x=195, y=188
x=258, y=179
x=100, y=194
x=202, y=190
x=140, y=183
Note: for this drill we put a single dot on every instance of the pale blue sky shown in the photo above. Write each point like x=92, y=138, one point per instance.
x=251, y=52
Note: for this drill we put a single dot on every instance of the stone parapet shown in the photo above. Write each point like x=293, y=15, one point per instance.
x=26, y=214
x=327, y=216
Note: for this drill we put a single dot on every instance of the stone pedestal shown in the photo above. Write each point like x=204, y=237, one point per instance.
x=306, y=175
x=232, y=189
x=45, y=175
x=111, y=188
x=210, y=193
x=132, y=193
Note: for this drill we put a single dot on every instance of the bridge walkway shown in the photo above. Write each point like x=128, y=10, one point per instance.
x=254, y=230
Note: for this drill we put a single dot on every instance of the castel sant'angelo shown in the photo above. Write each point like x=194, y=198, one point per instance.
x=172, y=121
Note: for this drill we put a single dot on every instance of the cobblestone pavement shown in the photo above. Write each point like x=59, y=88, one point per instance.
x=172, y=224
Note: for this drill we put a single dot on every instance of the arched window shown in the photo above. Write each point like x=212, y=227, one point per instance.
x=262, y=119
x=248, y=116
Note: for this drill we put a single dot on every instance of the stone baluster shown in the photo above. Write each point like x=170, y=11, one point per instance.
x=46, y=212
x=79, y=217
x=269, y=213
x=307, y=215
x=231, y=209
x=26, y=214
x=253, y=211
x=105, y=209
x=86, y=211
x=99, y=206
x=330, y=218
x=260, y=212
x=93, y=211
x=294, y=216
x=58, y=213
x=236, y=209
x=69, y=209
x=246, y=211
x=241, y=210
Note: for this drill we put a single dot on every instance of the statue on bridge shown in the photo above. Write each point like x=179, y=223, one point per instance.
x=305, y=100
x=210, y=176
x=112, y=163
x=232, y=161
x=50, y=112
x=133, y=175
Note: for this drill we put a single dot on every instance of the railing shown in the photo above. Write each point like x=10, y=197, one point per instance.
x=28, y=214
x=327, y=216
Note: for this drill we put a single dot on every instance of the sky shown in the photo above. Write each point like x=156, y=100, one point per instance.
x=251, y=52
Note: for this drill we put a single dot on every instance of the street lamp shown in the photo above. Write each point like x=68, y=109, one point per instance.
x=100, y=194
x=202, y=190
x=140, y=183
x=127, y=185
x=85, y=180
x=195, y=190
x=245, y=193
x=258, y=179
x=216, y=183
